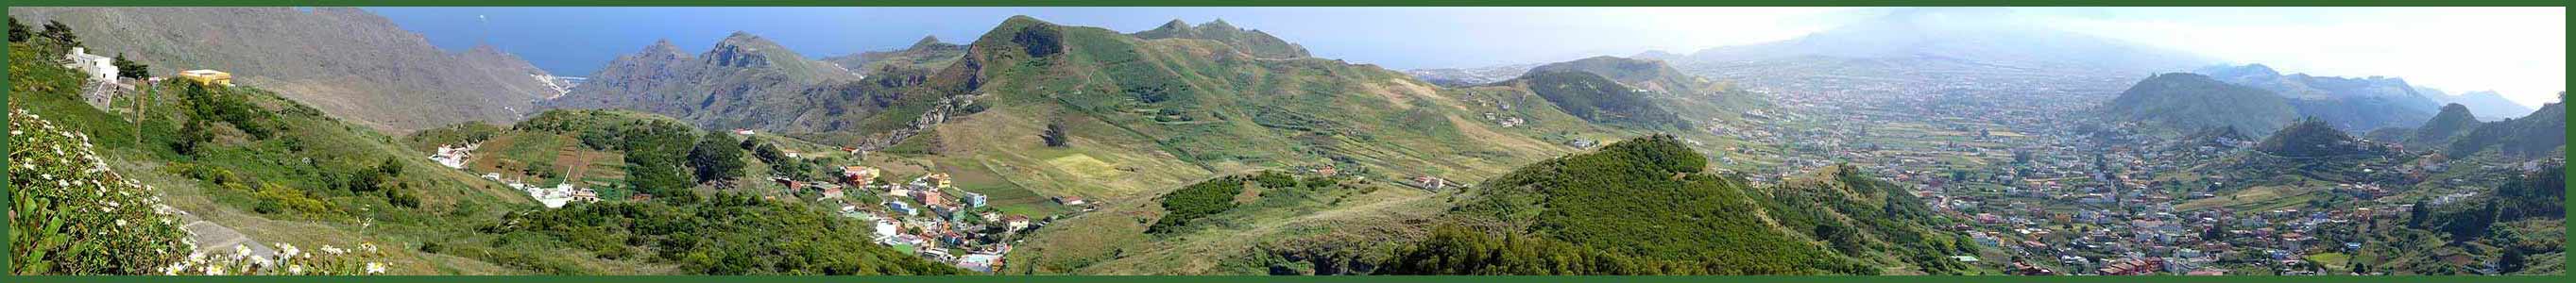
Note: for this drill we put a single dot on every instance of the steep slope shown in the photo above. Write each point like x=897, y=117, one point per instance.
x=1598, y=99
x=1694, y=98
x=2357, y=104
x=1649, y=75
x=1166, y=111
x=261, y=168
x=270, y=168
x=740, y=76
x=928, y=53
x=1254, y=42
x=1645, y=206
x=2454, y=120
x=2182, y=102
x=345, y=61
x=2540, y=135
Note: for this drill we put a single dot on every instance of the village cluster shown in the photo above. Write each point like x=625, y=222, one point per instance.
x=2049, y=197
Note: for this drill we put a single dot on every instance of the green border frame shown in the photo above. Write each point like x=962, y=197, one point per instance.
x=4, y=265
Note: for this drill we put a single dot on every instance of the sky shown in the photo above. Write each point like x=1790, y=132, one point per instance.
x=2520, y=52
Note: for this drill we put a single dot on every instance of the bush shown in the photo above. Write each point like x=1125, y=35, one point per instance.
x=1195, y=201
x=717, y=157
x=74, y=216
x=726, y=234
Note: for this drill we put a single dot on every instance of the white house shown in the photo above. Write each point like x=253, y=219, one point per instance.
x=454, y=157
x=100, y=68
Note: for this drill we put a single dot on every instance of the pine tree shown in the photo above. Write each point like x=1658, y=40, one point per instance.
x=2415, y=217
x=1054, y=135
x=130, y=69
x=60, y=34
x=2511, y=262
x=17, y=31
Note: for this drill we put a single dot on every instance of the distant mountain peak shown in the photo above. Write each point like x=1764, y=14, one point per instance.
x=662, y=49
x=927, y=41
x=2490, y=105
x=2455, y=119
x=1218, y=24
x=2260, y=66
x=743, y=49
x=1254, y=42
x=744, y=38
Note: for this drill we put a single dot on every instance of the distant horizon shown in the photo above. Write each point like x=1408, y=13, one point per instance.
x=2521, y=60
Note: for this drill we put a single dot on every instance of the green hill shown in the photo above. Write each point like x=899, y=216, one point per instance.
x=1645, y=206
x=1168, y=111
x=2539, y=135
x=2454, y=120
x=279, y=171
x=2179, y=102
x=2310, y=138
x=1254, y=42
x=928, y=53
x=1694, y=98
x=1598, y=99
x=1649, y=75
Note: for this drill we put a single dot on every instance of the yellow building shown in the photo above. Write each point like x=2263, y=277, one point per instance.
x=208, y=77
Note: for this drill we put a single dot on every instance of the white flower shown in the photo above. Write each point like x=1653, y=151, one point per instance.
x=288, y=250
x=120, y=222
x=333, y=250
x=295, y=269
x=212, y=270
x=241, y=250
x=369, y=247
x=375, y=267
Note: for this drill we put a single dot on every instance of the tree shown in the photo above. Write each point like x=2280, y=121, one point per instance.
x=656, y=160
x=2511, y=262
x=17, y=31
x=717, y=157
x=2415, y=216
x=130, y=69
x=59, y=33
x=1054, y=135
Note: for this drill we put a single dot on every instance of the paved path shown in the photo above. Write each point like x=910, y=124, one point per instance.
x=215, y=239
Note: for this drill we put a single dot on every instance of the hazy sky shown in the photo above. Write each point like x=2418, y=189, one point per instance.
x=2520, y=52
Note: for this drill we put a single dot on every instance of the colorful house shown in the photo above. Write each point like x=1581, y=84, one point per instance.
x=208, y=77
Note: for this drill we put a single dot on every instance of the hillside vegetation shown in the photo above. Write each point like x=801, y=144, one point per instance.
x=347, y=62
x=2183, y=102
x=1644, y=206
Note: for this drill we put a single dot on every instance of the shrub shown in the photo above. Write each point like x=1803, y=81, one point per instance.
x=73, y=216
